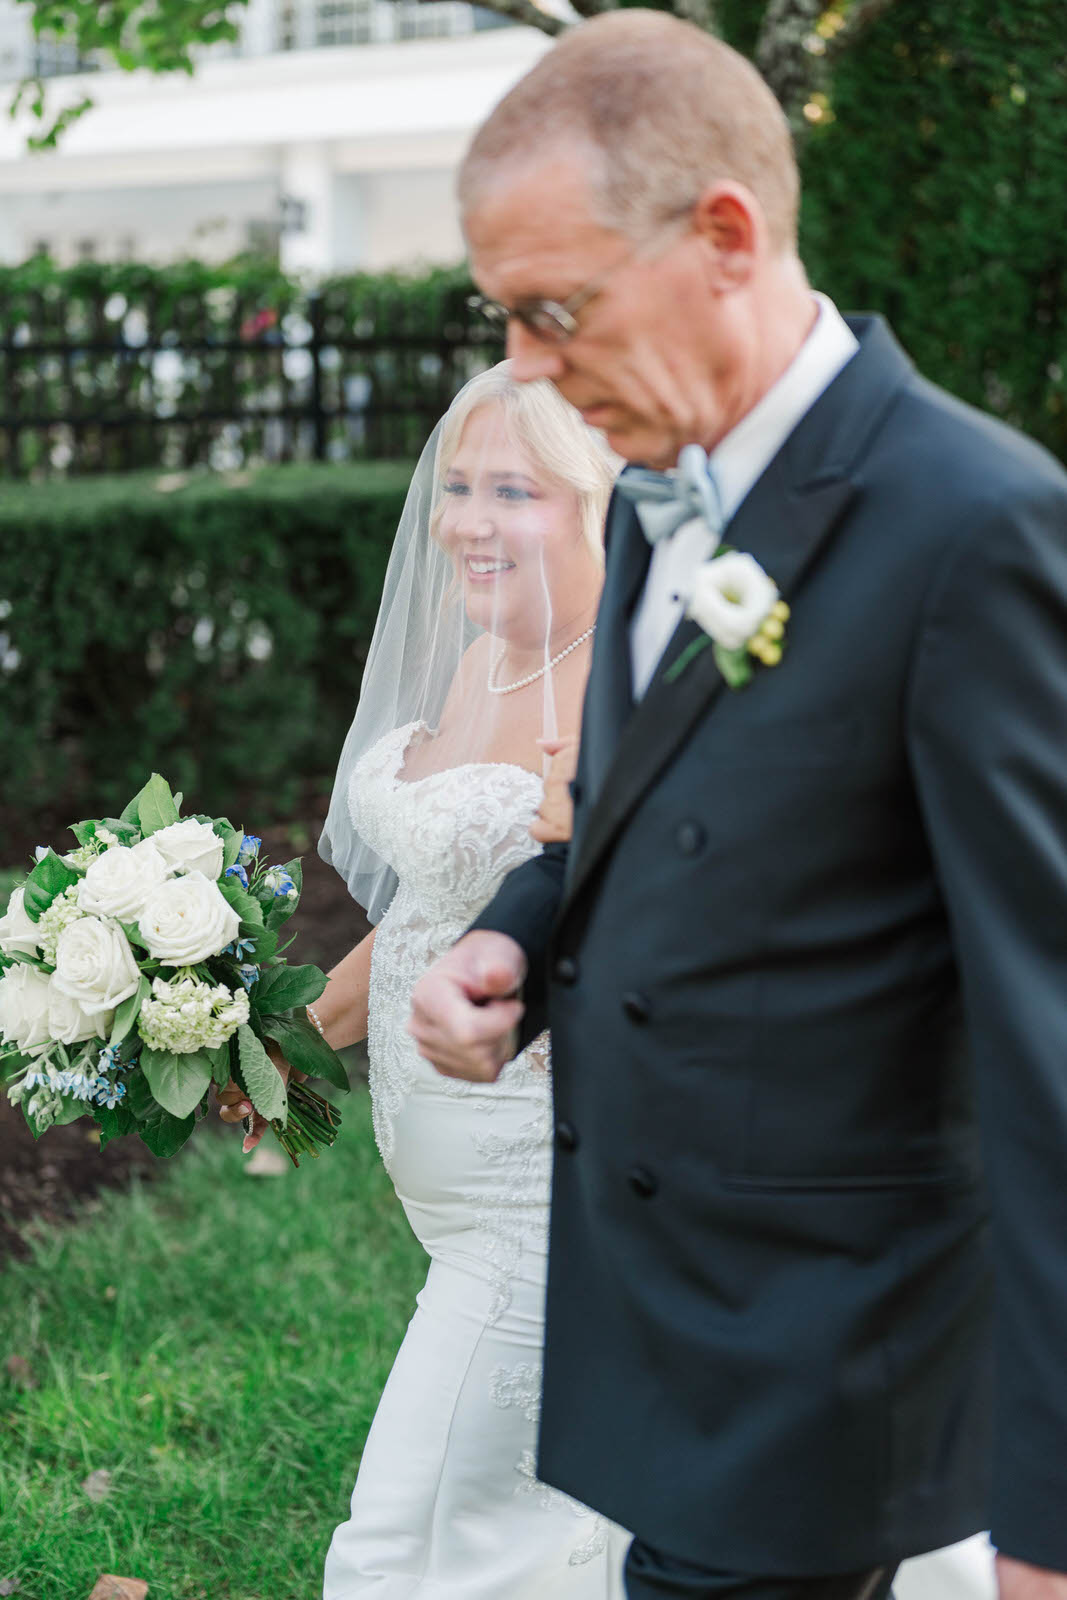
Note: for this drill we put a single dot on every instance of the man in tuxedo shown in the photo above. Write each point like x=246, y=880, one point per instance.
x=805, y=958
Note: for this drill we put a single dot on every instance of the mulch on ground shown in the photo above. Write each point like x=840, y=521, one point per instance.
x=49, y=1179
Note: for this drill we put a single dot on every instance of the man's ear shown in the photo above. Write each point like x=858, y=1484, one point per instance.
x=729, y=221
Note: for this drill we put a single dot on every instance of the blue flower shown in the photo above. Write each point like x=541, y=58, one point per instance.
x=108, y=1058
x=278, y=880
x=238, y=947
x=248, y=975
x=249, y=849
x=239, y=873
x=109, y=1094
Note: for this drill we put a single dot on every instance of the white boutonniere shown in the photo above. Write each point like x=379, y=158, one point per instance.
x=741, y=613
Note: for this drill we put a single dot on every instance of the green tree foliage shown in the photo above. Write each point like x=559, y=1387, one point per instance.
x=934, y=194
x=155, y=35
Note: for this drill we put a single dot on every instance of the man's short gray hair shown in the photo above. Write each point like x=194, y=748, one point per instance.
x=657, y=109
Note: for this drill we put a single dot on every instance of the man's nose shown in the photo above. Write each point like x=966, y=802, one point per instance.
x=532, y=357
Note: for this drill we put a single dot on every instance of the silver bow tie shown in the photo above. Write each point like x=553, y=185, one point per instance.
x=665, y=501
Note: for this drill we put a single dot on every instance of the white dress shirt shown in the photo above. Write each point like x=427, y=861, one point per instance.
x=737, y=461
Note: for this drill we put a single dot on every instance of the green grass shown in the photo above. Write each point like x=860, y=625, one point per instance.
x=216, y=1342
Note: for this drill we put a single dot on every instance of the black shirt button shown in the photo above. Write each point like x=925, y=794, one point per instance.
x=567, y=1136
x=689, y=837
x=576, y=791
x=566, y=970
x=643, y=1183
x=636, y=1006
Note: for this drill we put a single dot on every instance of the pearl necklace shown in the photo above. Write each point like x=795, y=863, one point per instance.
x=509, y=688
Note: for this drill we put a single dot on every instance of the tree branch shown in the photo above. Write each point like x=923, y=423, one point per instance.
x=785, y=56
x=593, y=8
x=521, y=11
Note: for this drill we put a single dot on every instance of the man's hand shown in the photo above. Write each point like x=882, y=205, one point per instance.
x=465, y=1011
x=1017, y=1580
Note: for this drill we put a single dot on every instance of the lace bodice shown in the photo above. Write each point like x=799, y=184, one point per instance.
x=470, y=1162
x=450, y=837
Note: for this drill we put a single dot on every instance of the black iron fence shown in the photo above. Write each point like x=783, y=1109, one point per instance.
x=106, y=370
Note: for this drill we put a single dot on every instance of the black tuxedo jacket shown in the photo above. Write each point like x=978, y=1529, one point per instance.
x=805, y=966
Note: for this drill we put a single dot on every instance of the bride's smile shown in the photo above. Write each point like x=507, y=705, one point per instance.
x=515, y=534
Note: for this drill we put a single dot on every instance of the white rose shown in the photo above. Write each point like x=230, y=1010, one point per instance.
x=731, y=597
x=24, y=996
x=95, y=964
x=71, y=1023
x=191, y=846
x=18, y=935
x=187, y=920
x=118, y=883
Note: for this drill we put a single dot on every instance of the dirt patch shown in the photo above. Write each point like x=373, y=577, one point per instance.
x=48, y=1179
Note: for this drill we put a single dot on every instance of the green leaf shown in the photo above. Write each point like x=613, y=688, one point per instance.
x=84, y=832
x=246, y=905
x=178, y=1082
x=70, y=1111
x=232, y=839
x=113, y=1124
x=139, y=1096
x=164, y=1134
x=155, y=806
x=221, y=1070
x=306, y=1050
x=735, y=665
x=260, y=1077
x=284, y=988
x=265, y=941
x=128, y=1011
x=47, y=880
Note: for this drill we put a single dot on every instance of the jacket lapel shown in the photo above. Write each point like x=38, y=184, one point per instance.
x=609, y=696
x=785, y=521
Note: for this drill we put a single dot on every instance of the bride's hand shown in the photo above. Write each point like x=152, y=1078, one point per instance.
x=554, y=822
x=234, y=1105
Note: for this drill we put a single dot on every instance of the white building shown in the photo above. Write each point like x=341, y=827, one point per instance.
x=331, y=132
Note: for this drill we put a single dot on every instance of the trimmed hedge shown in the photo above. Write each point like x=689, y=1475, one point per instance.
x=211, y=627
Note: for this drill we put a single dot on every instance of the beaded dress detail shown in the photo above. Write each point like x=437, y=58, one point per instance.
x=447, y=1503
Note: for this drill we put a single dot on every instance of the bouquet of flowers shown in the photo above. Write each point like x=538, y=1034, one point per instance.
x=145, y=964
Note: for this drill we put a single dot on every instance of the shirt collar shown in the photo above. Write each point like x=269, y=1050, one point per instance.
x=750, y=447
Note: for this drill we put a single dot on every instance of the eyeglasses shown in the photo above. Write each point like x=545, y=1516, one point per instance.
x=555, y=321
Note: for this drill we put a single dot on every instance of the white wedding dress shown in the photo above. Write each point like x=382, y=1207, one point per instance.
x=447, y=1505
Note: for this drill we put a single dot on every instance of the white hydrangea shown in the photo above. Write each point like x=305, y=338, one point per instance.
x=60, y=914
x=190, y=1015
x=86, y=854
x=82, y=856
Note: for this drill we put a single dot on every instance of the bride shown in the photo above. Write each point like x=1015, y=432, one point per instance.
x=481, y=651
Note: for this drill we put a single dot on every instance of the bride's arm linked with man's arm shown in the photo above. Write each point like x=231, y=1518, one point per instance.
x=467, y=1017
x=341, y=1013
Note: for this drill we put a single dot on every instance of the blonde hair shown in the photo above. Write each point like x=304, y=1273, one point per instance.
x=662, y=108
x=551, y=432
